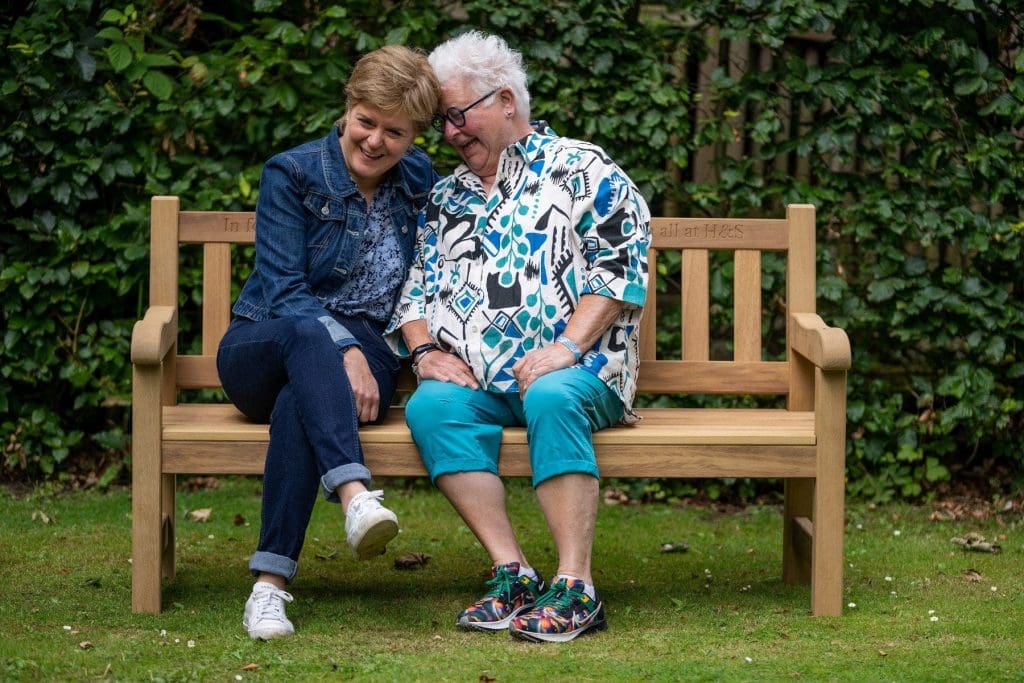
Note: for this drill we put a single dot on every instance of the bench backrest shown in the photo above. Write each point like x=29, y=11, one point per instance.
x=695, y=238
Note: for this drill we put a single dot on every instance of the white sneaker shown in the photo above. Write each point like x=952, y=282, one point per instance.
x=264, y=612
x=369, y=525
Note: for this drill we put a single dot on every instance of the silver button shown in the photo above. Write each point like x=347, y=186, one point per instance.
x=325, y=210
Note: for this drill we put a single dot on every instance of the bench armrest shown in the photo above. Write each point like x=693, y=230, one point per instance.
x=154, y=335
x=826, y=347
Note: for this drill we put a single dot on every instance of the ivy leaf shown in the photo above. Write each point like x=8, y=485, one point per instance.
x=159, y=84
x=120, y=56
x=881, y=290
x=969, y=86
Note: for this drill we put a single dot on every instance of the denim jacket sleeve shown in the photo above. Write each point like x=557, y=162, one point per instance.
x=281, y=250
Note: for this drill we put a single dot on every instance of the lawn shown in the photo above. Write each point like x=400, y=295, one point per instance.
x=919, y=607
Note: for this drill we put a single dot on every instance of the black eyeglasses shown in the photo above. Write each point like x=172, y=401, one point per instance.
x=455, y=115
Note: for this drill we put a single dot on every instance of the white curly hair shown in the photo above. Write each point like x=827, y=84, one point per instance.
x=483, y=62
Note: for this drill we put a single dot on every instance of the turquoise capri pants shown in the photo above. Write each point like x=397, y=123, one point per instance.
x=458, y=429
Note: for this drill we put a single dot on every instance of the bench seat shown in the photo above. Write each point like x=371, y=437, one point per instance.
x=202, y=438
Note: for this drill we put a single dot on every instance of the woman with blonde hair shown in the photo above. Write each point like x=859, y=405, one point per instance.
x=335, y=231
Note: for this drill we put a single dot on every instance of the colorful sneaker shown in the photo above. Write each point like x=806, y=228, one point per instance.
x=369, y=525
x=509, y=595
x=264, y=612
x=560, y=615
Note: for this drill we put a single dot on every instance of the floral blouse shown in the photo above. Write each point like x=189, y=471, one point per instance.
x=496, y=275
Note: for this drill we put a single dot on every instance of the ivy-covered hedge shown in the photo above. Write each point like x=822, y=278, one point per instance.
x=913, y=149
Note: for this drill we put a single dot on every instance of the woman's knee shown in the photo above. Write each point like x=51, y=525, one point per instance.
x=429, y=404
x=307, y=330
x=551, y=395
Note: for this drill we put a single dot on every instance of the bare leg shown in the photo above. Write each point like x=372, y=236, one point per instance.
x=273, y=579
x=569, y=502
x=479, y=497
x=348, y=491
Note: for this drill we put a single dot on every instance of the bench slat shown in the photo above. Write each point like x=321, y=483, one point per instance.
x=747, y=305
x=696, y=305
x=713, y=377
x=197, y=422
x=768, y=234
x=656, y=376
x=216, y=295
x=399, y=460
x=231, y=227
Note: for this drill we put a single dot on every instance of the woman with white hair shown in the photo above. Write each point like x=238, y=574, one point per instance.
x=522, y=308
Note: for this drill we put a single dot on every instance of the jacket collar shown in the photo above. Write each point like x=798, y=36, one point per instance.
x=336, y=171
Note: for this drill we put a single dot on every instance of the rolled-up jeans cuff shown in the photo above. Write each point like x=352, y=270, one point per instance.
x=353, y=471
x=272, y=563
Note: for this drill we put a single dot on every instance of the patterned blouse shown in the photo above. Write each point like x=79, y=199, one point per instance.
x=496, y=275
x=379, y=270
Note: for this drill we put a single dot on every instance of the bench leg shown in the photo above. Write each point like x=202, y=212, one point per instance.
x=827, y=560
x=796, y=542
x=167, y=484
x=147, y=490
x=829, y=499
x=147, y=541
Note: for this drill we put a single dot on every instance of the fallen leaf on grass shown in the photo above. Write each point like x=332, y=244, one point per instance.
x=972, y=576
x=92, y=583
x=882, y=653
x=201, y=515
x=976, y=542
x=615, y=496
x=42, y=517
x=678, y=547
x=327, y=555
x=251, y=666
x=85, y=645
x=412, y=560
x=239, y=520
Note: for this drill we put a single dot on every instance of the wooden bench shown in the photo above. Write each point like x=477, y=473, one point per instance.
x=801, y=441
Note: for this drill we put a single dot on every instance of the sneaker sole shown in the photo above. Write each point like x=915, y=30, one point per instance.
x=491, y=626
x=557, y=637
x=375, y=539
x=269, y=634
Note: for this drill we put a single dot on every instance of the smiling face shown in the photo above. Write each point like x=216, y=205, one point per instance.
x=488, y=131
x=373, y=142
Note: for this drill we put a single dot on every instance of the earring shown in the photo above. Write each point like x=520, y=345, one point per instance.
x=508, y=115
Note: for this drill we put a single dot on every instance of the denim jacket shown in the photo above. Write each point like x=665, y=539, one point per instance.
x=310, y=219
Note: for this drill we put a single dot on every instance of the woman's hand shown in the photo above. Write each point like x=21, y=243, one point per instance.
x=446, y=367
x=540, y=362
x=364, y=384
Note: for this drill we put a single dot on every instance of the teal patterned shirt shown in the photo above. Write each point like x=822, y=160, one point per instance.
x=496, y=275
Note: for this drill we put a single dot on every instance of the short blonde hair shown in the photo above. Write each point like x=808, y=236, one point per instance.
x=395, y=78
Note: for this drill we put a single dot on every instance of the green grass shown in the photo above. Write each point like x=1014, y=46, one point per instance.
x=697, y=615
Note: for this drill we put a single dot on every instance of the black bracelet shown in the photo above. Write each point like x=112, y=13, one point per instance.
x=423, y=348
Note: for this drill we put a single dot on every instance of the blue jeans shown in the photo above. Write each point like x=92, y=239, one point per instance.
x=288, y=372
x=458, y=429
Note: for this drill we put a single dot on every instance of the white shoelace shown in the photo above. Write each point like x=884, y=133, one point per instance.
x=367, y=500
x=269, y=603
